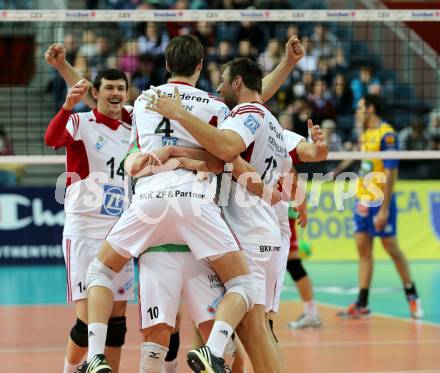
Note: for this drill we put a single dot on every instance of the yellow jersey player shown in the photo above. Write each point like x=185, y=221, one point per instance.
x=375, y=211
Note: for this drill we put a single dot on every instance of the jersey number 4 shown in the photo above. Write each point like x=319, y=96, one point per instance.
x=164, y=127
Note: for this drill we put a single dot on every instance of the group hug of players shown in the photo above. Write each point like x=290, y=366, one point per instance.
x=219, y=244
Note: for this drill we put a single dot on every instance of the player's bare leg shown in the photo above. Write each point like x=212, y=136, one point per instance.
x=391, y=246
x=75, y=353
x=258, y=342
x=270, y=319
x=100, y=275
x=364, y=244
x=233, y=270
x=310, y=316
x=359, y=309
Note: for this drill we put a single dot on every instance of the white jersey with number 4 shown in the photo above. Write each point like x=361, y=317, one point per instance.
x=154, y=131
x=95, y=187
x=253, y=220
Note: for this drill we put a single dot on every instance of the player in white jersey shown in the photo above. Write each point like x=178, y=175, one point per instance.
x=299, y=151
x=252, y=129
x=279, y=73
x=96, y=143
x=172, y=199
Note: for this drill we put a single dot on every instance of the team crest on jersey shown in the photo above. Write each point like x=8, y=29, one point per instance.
x=100, y=143
x=113, y=200
x=434, y=206
x=252, y=124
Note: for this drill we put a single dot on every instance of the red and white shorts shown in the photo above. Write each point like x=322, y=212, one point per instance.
x=78, y=253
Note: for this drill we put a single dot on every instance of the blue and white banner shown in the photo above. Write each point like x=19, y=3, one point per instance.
x=31, y=226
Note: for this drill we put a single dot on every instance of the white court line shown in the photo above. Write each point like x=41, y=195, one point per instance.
x=283, y=344
x=392, y=371
x=373, y=314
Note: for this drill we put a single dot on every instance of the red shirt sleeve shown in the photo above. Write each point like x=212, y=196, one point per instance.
x=56, y=134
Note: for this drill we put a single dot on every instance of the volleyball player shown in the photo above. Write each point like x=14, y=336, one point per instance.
x=375, y=210
x=96, y=143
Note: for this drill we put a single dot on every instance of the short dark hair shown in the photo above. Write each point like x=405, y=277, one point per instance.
x=183, y=54
x=250, y=71
x=376, y=102
x=109, y=74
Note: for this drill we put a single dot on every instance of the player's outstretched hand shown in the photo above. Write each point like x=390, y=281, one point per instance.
x=166, y=106
x=294, y=49
x=55, y=55
x=318, y=139
x=75, y=94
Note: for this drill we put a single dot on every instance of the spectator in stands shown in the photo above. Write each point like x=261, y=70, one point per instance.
x=364, y=84
x=332, y=138
x=323, y=72
x=338, y=62
x=305, y=86
x=254, y=33
x=17, y=4
x=302, y=112
x=415, y=137
x=324, y=41
x=310, y=60
x=205, y=33
x=342, y=96
x=102, y=59
x=245, y=49
x=8, y=176
x=271, y=56
x=154, y=40
x=146, y=74
x=434, y=128
x=286, y=120
x=225, y=52
x=128, y=57
x=180, y=28
x=320, y=102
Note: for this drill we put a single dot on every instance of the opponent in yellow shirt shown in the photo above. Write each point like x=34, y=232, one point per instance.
x=375, y=210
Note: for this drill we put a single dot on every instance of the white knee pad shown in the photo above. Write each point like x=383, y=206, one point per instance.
x=98, y=274
x=245, y=286
x=152, y=357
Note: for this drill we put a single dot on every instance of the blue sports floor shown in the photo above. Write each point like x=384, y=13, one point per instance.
x=334, y=283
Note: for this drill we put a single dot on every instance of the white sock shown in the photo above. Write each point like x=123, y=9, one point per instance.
x=69, y=368
x=230, y=351
x=97, y=333
x=310, y=309
x=152, y=357
x=170, y=366
x=219, y=337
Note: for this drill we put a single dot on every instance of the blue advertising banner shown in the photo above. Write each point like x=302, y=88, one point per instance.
x=31, y=226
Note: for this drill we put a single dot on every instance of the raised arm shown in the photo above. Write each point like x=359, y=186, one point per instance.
x=317, y=150
x=56, y=134
x=55, y=56
x=273, y=81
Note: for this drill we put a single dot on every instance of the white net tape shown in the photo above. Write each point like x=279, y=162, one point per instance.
x=344, y=15
x=333, y=156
